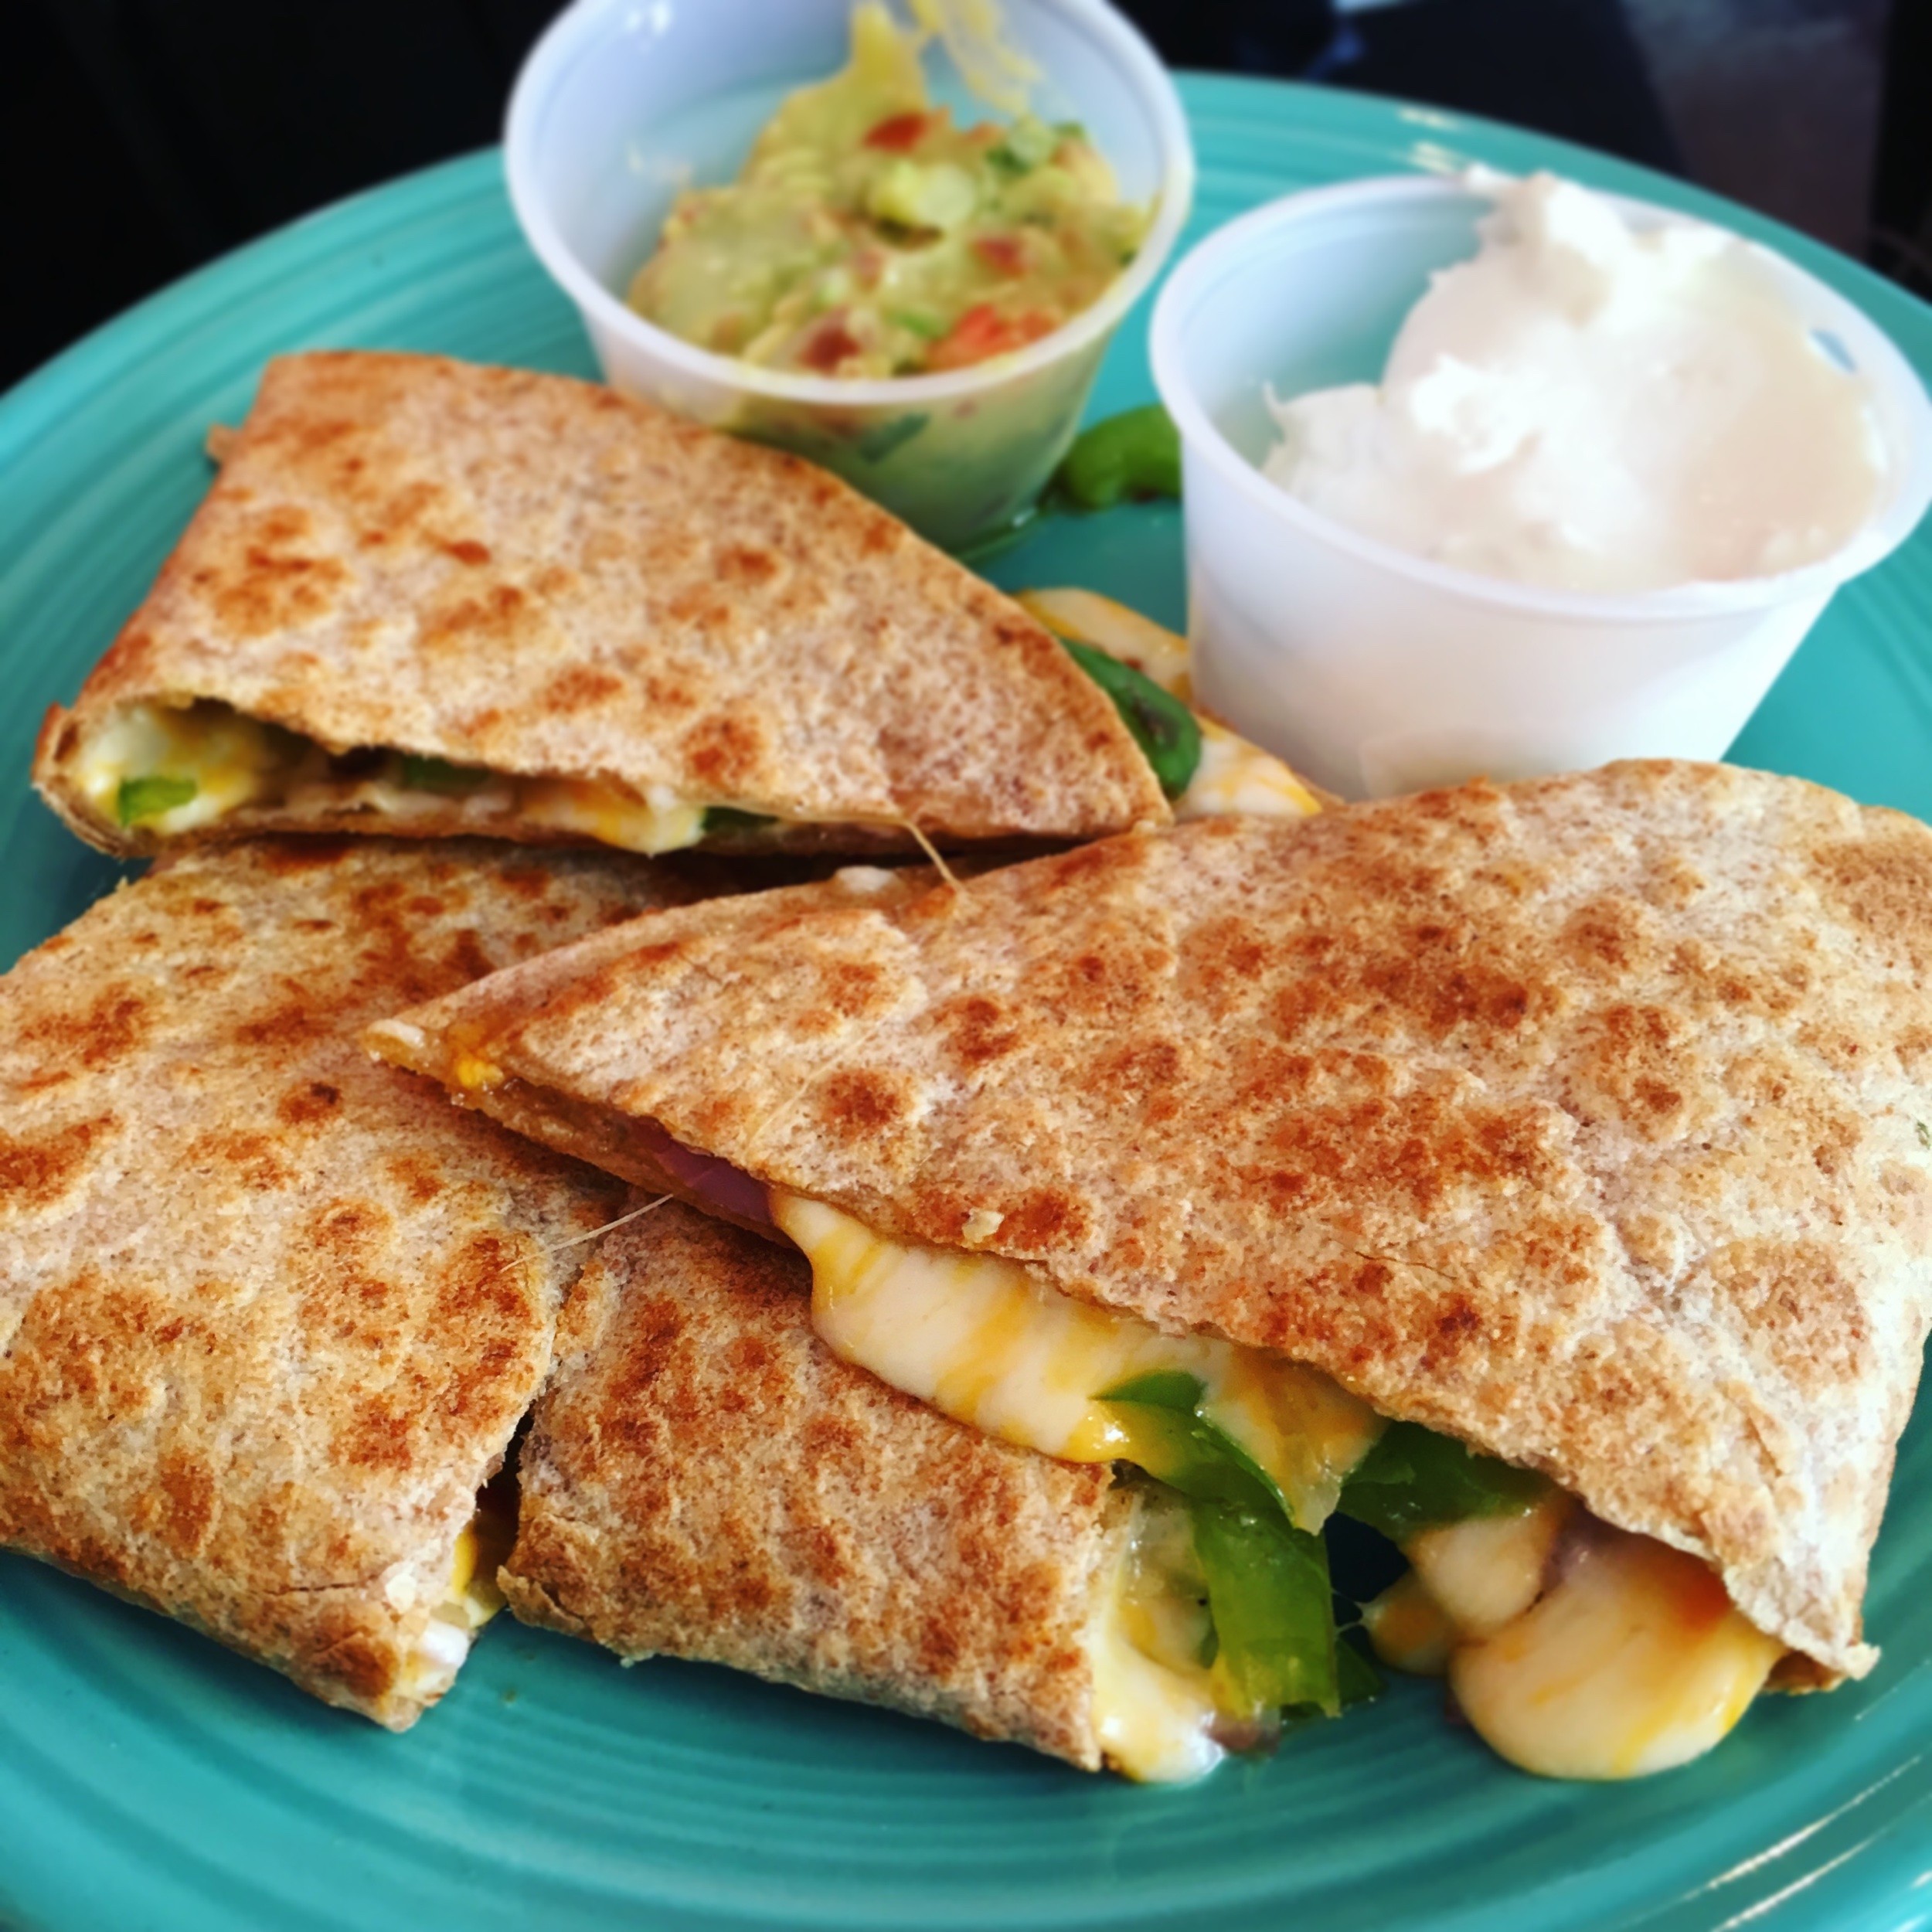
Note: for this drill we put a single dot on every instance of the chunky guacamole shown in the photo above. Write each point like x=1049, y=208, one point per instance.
x=868, y=236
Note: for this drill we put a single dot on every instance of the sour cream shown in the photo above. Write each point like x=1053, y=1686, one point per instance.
x=1593, y=407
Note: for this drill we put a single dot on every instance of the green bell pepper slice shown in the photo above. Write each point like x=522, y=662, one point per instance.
x=1413, y=1479
x=139, y=798
x=425, y=774
x=1168, y=734
x=1134, y=454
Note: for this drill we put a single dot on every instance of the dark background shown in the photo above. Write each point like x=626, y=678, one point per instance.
x=140, y=138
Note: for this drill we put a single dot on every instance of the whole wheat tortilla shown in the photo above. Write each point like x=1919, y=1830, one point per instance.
x=269, y=1313
x=1587, y=1119
x=704, y=1478
x=542, y=578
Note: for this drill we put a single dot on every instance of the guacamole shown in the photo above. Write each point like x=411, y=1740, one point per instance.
x=867, y=236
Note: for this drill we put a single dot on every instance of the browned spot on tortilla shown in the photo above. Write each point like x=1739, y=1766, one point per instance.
x=578, y=687
x=113, y=1024
x=379, y=1436
x=314, y=1100
x=33, y=1173
x=746, y=563
x=856, y=1103
x=286, y=1025
x=1044, y=1218
x=978, y=1029
x=288, y=857
x=1606, y=937
x=1883, y=882
x=418, y=1176
x=725, y=750
x=466, y=959
x=252, y=1159
x=355, y=1658
x=187, y=1486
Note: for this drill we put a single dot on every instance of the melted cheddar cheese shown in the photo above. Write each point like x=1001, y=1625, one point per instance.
x=661, y=821
x=980, y=1338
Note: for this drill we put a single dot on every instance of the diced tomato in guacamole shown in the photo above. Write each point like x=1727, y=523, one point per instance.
x=868, y=236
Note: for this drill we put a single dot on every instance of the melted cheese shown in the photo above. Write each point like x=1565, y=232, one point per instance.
x=230, y=759
x=981, y=1338
x=661, y=822
x=1485, y=1571
x=1088, y=617
x=1634, y=1661
x=470, y=1599
x=1154, y=1703
x=1233, y=775
x=235, y=761
x=1409, y=1628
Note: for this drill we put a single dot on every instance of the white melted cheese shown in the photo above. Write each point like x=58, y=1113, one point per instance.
x=1153, y=1703
x=980, y=1338
x=1574, y=1650
x=1634, y=1661
x=1409, y=1628
x=1233, y=775
x=1485, y=1571
x=1088, y=617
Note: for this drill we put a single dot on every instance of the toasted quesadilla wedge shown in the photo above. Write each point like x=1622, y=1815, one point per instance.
x=1541, y=1173
x=427, y=597
x=270, y=1313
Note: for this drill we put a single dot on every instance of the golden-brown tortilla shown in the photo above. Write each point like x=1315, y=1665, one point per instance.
x=704, y=1478
x=541, y=577
x=269, y=1312
x=1588, y=1119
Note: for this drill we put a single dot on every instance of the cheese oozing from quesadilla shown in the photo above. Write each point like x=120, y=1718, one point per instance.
x=1576, y=1650
x=470, y=1598
x=177, y=770
x=1154, y=1709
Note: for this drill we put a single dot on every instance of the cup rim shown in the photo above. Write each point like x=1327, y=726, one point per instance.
x=1219, y=258
x=570, y=36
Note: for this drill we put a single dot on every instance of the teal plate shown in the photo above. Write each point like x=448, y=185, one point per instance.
x=149, y=1781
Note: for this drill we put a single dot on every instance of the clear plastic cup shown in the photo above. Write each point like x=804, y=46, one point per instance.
x=1375, y=671
x=623, y=102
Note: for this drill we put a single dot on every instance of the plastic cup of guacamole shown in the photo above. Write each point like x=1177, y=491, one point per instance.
x=620, y=108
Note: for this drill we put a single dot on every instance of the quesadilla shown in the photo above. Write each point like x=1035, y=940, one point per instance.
x=1541, y=1173
x=704, y=1478
x=425, y=597
x=269, y=1313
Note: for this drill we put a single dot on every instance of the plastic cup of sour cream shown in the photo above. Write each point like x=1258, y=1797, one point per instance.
x=1374, y=670
x=622, y=103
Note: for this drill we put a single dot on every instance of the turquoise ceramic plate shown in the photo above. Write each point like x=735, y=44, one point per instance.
x=148, y=1780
